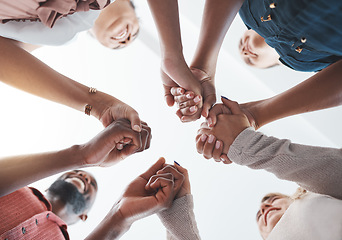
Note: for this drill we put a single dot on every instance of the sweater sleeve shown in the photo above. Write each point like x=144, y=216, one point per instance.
x=179, y=220
x=316, y=169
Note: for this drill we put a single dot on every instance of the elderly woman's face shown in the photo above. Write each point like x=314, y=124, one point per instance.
x=117, y=25
x=270, y=212
x=255, y=51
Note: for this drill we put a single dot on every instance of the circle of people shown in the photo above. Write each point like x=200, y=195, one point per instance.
x=303, y=35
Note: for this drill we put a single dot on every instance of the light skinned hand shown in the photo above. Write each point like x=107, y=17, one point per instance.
x=187, y=102
x=210, y=147
x=176, y=73
x=102, y=151
x=189, y=105
x=147, y=194
x=227, y=128
x=208, y=89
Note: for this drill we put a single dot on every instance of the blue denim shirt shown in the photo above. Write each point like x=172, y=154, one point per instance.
x=307, y=34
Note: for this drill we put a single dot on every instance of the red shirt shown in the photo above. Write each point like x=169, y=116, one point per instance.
x=26, y=214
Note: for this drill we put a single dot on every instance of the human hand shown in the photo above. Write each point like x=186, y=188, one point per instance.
x=109, y=109
x=102, y=150
x=227, y=128
x=248, y=109
x=149, y=193
x=182, y=180
x=188, y=102
x=126, y=141
x=177, y=74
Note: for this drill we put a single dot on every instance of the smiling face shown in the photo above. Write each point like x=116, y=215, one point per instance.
x=72, y=195
x=272, y=208
x=255, y=51
x=117, y=25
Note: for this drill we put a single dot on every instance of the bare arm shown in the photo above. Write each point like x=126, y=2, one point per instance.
x=323, y=90
x=166, y=17
x=23, y=71
x=19, y=171
x=149, y=193
x=217, y=18
x=175, y=71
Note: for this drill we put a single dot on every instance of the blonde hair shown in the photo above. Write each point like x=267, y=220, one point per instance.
x=300, y=192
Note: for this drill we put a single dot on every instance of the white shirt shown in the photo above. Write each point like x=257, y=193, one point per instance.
x=314, y=217
x=62, y=32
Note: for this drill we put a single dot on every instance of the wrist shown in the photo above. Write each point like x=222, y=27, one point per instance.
x=113, y=226
x=100, y=102
x=118, y=220
x=206, y=63
x=79, y=156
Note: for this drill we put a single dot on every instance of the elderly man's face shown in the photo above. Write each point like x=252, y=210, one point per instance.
x=270, y=212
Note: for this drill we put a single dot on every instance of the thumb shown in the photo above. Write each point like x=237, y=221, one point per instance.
x=133, y=117
x=208, y=103
x=233, y=106
x=168, y=96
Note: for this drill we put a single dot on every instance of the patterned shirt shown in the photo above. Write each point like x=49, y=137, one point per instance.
x=26, y=214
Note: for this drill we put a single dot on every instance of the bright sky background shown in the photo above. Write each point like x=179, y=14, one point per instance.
x=226, y=196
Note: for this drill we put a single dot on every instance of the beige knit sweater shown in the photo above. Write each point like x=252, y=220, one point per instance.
x=316, y=169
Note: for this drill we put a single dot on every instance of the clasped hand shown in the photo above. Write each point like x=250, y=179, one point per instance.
x=103, y=149
x=191, y=88
x=225, y=122
x=153, y=191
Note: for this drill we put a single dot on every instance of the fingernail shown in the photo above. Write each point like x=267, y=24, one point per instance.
x=189, y=96
x=222, y=159
x=179, y=91
x=193, y=109
x=176, y=163
x=217, y=145
x=224, y=97
x=211, y=138
x=203, y=137
x=197, y=99
x=136, y=128
x=210, y=121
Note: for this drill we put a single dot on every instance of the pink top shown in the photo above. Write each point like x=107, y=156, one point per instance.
x=26, y=214
x=46, y=11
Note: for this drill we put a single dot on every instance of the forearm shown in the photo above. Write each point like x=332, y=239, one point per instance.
x=217, y=18
x=317, y=169
x=179, y=220
x=323, y=90
x=166, y=18
x=23, y=71
x=113, y=226
x=19, y=171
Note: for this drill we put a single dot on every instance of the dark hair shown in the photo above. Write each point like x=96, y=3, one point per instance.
x=132, y=4
x=69, y=194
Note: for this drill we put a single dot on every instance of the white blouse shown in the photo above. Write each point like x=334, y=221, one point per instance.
x=64, y=30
